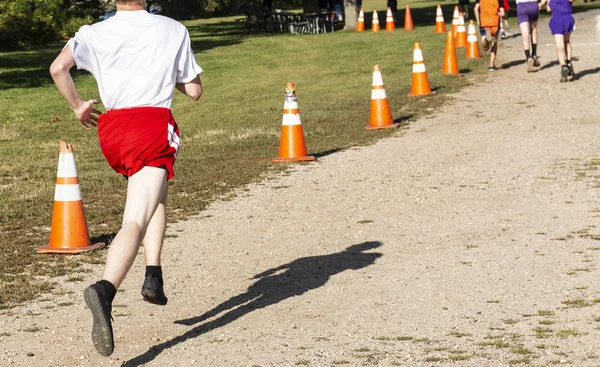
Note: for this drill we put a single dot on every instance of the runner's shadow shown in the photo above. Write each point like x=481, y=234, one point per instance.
x=512, y=35
x=548, y=65
x=507, y=65
x=583, y=73
x=271, y=287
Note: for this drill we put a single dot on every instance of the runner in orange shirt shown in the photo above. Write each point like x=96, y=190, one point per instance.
x=489, y=13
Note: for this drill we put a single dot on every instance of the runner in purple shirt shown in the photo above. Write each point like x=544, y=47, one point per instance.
x=562, y=25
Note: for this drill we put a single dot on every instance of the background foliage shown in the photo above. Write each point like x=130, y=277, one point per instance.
x=36, y=22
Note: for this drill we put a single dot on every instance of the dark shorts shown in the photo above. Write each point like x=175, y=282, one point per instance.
x=134, y=138
x=528, y=12
x=561, y=23
x=463, y=2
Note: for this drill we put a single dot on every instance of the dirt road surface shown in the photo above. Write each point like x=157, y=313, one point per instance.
x=472, y=239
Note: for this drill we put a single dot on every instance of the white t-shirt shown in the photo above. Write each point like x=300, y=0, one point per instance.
x=136, y=58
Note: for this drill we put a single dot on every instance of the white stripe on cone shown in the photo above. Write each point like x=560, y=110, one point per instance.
x=418, y=68
x=461, y=24
x=67, y=192
x=418, y=55
x=290, y=119
x=378, y=94
x=471, y=35
x=66, y=165
x=377, y=79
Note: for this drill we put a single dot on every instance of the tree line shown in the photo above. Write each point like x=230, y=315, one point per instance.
x=33, y=22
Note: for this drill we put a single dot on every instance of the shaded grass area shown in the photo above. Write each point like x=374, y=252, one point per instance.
x=228, y=138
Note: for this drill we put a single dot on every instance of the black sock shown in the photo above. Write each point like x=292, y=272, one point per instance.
x=109, y=289
x=154, y=270
x=534, y=49
x=527, y=55
x=569, y=61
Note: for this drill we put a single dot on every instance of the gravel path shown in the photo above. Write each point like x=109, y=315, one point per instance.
x=470, y=239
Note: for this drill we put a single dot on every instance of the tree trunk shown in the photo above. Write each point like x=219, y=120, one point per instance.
x=350, y=14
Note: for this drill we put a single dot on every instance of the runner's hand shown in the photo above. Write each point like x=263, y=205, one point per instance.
x=87, y=114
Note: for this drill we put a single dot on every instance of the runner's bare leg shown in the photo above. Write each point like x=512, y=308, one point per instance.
x=560, y=48
x=534, y=33
x=568, y=46
x=525, y=27
x=145, y=190
x=155, y=234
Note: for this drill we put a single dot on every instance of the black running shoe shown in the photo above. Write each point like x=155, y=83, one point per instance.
x=152, y=290
x=564, y=73
x=102, y=332
x=571, y=71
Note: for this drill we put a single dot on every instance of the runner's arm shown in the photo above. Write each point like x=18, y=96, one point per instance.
x=192, y=89
x=64, y=82
x=476, y=11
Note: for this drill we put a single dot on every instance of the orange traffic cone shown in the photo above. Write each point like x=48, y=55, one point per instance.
x=461, y=33
x=292, y=147
x=472, y=43
x=454, y=21
x=450, y=65
x=408, y=23
x=389, y=21
x=360, y=25
x=440, y=25
x=375, y=23
x=381, y=115
x=69, y=233
x=420, y=81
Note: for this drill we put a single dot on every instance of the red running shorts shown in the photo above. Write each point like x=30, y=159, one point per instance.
x=133, y=138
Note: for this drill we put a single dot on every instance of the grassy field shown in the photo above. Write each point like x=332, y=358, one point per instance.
x=228, y=137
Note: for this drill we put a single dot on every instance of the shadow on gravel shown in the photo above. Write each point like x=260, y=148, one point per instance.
x=548, y=65
x=510, y=64
x=583, y=73
x=272, y=286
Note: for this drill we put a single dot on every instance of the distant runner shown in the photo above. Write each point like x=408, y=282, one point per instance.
x=562, y=24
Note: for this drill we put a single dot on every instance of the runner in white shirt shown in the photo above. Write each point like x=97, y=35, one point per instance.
x=137, y=59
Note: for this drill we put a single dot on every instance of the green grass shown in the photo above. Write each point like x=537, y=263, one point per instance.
x=228, y=137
